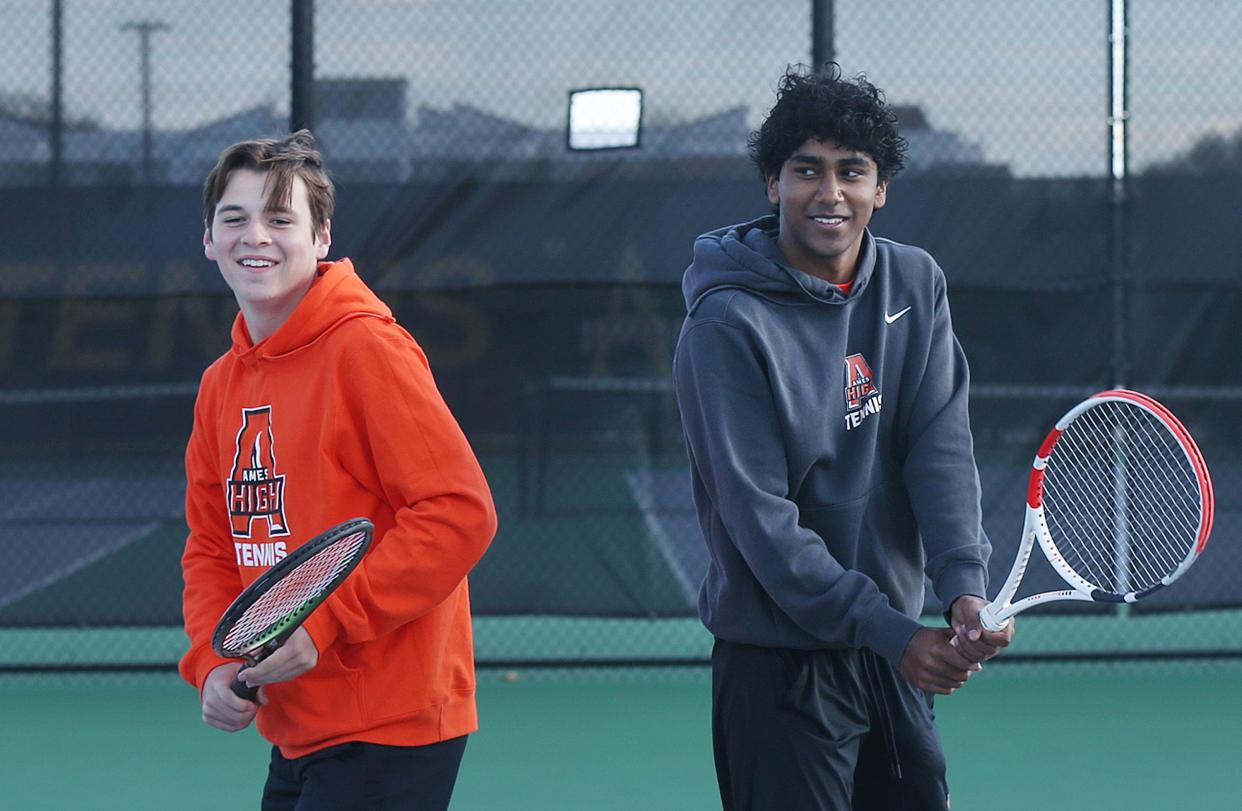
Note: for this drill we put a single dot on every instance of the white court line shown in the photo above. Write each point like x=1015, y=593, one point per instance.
x=641, y=488
x=77, y=564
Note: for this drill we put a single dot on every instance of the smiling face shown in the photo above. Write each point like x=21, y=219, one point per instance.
x=267, y=255
x=826, y=194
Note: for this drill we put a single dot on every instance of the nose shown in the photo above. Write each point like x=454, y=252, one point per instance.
x=830, y=189
x=256, y=234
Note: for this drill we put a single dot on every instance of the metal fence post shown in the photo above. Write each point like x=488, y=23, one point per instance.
x=302, y=73
x=1118, y=142
x=822, y=49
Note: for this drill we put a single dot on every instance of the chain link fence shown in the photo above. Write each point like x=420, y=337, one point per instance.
x=544, y=283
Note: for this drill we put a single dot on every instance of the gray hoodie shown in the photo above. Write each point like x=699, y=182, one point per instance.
x=829, y=444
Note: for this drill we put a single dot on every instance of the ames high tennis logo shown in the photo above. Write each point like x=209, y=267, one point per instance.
x=862, y=398
x=255, y=488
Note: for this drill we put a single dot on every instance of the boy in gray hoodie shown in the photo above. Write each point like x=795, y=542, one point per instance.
x=823, y=396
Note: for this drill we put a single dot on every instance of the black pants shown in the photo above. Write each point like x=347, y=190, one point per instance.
x=822, y=730
x=357, y=776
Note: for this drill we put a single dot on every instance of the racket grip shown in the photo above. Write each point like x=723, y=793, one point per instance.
x=987, y=618
x=243, y=690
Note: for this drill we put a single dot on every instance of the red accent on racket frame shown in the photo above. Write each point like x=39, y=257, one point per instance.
x=1035, y=486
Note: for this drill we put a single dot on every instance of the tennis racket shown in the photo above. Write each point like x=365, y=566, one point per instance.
x=272, y=607
x=1119, y=500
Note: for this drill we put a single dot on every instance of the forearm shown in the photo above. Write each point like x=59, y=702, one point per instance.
x=417, y=564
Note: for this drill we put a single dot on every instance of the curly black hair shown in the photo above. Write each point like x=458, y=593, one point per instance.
x=824, y=106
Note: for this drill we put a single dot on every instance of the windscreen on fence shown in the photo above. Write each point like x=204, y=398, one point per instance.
x=544, y=283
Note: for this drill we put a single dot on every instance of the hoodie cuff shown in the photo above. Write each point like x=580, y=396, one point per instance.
x=196, y=668
x=959, y=579
x=888, y=632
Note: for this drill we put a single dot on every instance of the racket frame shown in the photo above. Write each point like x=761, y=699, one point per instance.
x=997, y=614
x=269, y=641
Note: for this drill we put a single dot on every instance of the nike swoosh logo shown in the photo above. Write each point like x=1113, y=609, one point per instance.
x=888, y=319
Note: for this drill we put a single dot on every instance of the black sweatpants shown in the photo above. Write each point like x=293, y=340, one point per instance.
x=356, y=776
x=826, y=730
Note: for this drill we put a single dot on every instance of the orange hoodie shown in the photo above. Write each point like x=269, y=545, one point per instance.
x=336, y=415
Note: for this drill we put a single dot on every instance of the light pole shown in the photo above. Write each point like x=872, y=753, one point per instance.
x=823, y=49
x=145, y=29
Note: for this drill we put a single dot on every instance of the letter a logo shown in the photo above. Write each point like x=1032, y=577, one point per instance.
x=255, y=490
x=858, y=382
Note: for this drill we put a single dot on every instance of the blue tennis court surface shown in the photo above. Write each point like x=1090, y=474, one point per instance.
x=52, y=529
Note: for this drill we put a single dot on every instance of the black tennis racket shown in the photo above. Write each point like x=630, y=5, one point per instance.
x=272, y=607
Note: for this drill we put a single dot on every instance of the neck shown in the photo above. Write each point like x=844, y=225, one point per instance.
x=264, y=318
x=837, y=269
x=262, y=323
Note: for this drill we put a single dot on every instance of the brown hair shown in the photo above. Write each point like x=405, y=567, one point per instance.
x=296, y=155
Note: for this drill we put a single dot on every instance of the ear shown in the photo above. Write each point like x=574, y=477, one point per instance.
x=881, y=193
x=209, y=247
x=774, y=190
x=323, y=240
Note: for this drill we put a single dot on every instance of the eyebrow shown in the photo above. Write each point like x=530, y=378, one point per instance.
x=268, y=209
x=816, y=160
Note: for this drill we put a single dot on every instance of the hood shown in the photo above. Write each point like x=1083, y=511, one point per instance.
x=335, y=296
x=746, y=257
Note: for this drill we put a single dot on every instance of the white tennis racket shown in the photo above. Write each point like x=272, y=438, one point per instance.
x=1119, y=500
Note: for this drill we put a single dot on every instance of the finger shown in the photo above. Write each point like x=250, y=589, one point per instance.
x=947, y=674
x=265, y=672
x=225, y=719
x=977, y=652
x=222, y=699
x=223, y=724
x=942, y=687
x=956, y=657
x=998, y=639
x=286, y=663
x=953, y=675
x=934, y=687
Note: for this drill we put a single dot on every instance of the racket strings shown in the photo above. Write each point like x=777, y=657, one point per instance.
x=1122, y=499
x=1091, y=522
x=1130, y=471
x=303, y=585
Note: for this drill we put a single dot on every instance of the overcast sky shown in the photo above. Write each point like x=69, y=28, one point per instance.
x=1026, y=80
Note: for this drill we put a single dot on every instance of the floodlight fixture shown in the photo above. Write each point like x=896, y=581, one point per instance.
x=604, y=118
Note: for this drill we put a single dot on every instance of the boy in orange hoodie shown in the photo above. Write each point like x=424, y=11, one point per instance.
x=322, y=410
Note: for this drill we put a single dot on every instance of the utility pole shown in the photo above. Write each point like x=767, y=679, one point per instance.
x=145, y=29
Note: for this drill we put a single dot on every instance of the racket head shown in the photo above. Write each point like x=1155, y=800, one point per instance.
x=1123, y=495
x=280, y=600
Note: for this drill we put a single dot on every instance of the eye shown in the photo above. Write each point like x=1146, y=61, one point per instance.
x=281, y=221
x=233, y=220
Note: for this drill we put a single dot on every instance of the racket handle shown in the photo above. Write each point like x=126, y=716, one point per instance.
x=243, y=690
x=987, y=618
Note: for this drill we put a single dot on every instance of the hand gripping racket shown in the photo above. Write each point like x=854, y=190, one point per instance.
x=1119, y=500
x=272, y=607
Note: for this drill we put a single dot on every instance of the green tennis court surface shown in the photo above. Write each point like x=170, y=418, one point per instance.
x=1046, y=737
